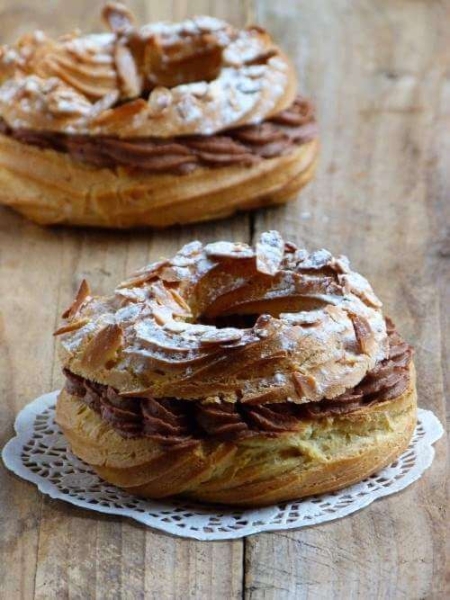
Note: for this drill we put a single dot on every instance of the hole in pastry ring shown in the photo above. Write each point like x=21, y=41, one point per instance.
x=318, y=330
x=199, y=76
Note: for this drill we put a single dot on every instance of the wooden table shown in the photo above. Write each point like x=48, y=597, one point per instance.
x=379, y=71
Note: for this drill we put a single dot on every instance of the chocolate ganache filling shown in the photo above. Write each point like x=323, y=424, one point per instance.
x=243, y=146
x=180, y=423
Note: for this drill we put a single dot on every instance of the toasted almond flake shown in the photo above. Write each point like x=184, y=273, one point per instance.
x=83, y=293
x=129, y=78
x=262, y=396
x=181, y=301
x=340, y=264
x=147, y=274
x=174, y=274
x=306, y=386
x=354, y=283
x=290, y=247
x=170, y=298
x=105, y=103
x=142, y=393
x=103, y=347
x=313, y=317
x=117, y=17
x=190, y=250
x=269, y=252
x=135, y=294
x=176, y=326
x=71, y=327
x=121, y=114
x=263, y=326
x=228, y=250
x=221, y=336
x=162, y=314
x=363, y=332
x=317, y=260
x=196, y=329
x=159, y=100
x=370, y=299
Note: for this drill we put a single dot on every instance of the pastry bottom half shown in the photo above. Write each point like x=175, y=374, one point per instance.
x=324, y=454
x=49, y=187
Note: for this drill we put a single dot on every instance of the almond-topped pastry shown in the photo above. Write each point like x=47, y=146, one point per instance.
x=155, y=125
x=236, y=374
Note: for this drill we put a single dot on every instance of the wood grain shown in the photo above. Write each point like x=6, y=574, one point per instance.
x=54, y=550
x=381, y=82
x=379, y=72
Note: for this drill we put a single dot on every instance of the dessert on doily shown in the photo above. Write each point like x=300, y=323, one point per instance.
x=236, y=374
x=154, y=125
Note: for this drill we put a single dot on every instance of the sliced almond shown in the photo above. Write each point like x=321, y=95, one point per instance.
x=142, y=276
x=353, y=283
x=83, y=293
x=125, y=113
x=369, y=298
x=176, y=326
x=71, y=327
x=303, y=318
x=317, y=260
x=221, y=336
x=306, y=386
x=340, y=264
x=308, y=285
x=170, y=299
x=162, y=314
x=269, y=252
x=103, y=347
x=188, y=254
x=159, y=100
x=105, y=103
x=142, y=393
x=135, y=294
x=174, y=274
x=228, y=250
x=290, y=247
x=117, y=17
x=181, y=301
x=129, y=78
x=363, y=333
x=264, y=396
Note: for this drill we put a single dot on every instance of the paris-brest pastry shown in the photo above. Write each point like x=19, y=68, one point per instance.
x=154, y=125
x=236, y=374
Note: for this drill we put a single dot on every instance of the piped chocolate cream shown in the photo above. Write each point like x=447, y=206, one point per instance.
x=180, y=423
x=242, y=146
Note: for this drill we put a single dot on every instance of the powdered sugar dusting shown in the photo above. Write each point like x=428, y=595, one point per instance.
x=252, y=80
x=329, y=330
x=269, y=252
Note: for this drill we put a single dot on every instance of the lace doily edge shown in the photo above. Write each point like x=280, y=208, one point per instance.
x=10, y=458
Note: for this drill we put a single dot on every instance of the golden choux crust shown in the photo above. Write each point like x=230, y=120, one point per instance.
x=50, y=187
x=323, y=455
x=320, y=331
x=113, y=124
x=200, y=76
x=161, y=425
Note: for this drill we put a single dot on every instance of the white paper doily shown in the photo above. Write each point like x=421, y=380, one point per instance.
x=39, y=454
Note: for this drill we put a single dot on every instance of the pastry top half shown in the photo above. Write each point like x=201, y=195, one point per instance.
x=200, y=76
x=227, y=322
